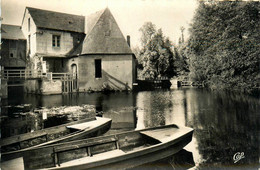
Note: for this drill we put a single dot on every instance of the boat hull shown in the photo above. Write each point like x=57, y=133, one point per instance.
x=134, y=159
x=84, y=134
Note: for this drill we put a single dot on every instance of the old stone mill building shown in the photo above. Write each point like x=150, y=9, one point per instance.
x=69, y=53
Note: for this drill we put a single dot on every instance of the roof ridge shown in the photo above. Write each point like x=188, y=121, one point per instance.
x=11, y=25
x=100, y=11
x=56, y=20
x=54, y=11
x=88, y=33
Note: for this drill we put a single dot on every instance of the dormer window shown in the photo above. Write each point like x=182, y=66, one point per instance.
x=56, y=40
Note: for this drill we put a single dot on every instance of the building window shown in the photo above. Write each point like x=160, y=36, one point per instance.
x=11, y=55
x=29, y=24
x=29, y=44
x=56, y=40
x=98, y=68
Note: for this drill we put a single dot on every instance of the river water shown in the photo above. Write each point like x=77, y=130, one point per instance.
x=226, y=125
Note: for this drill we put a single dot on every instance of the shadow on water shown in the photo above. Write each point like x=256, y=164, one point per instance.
x=224, y=123
x=181, y=160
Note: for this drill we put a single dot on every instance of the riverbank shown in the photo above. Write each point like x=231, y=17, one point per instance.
x=245, y=89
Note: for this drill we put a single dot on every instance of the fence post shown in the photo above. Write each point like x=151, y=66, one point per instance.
x=7, y=73
x=49, y=75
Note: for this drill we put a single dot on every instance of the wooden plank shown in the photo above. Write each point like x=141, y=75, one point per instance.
x=19, y=138
x=14, y=164
x=82, y=145
x=88, y=125
x=89, y=151
x=97, y=157
x=117, y=143
x=163, y=135
x=56, y=158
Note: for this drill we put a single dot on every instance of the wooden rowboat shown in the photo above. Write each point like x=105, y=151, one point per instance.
x=119, y=151
x=81, y=129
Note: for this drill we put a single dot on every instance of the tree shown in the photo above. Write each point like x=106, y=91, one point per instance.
x=224, y=45
x=155, y=55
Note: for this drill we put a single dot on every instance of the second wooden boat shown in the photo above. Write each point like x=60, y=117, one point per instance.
x=84, y=128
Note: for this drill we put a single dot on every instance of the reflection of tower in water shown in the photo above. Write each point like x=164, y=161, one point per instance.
x=178, y=109
x=120, y=107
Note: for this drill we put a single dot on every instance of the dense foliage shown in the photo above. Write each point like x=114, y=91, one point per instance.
x=224, y=45
x=157, y=56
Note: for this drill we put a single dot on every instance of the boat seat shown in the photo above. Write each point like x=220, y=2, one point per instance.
x=96, y=157
x=87, y=125
x=162, y=135
x=58, y=149
x=83, y=145
x=82, y=126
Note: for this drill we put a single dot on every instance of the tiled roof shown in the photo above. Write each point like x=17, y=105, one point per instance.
x=104, y=36
x=12, y=32
x=91, y=20
x=57, y=20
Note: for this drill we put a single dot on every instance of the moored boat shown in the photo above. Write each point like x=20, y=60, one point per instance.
x=118, y=151
x=84, y=128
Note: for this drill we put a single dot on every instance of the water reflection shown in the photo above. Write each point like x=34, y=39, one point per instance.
x=224, y=123
x=181, y=160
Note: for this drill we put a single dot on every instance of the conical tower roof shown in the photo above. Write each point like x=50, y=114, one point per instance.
x=103, y=36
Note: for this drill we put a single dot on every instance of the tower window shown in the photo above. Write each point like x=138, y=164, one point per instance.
x=98, y=68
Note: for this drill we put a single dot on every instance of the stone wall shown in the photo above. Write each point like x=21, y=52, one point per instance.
x=13, y=57
x=42, y=86
x=117, y=72
x=32, y=86
x=4, y=88
x=51, y=87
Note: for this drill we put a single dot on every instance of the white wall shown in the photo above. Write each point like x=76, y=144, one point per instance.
x=44, y=42
x=32, y=33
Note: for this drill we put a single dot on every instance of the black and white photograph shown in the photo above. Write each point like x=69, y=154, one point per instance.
x=130, y=84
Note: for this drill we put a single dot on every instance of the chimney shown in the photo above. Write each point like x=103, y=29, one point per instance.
x=128, y=40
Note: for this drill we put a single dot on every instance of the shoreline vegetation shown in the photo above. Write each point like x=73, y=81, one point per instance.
x=222, y=50
x=224, y=44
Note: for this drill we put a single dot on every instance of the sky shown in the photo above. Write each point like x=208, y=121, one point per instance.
x=169, y=15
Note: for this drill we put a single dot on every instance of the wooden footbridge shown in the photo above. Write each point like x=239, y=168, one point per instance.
x=17, y=77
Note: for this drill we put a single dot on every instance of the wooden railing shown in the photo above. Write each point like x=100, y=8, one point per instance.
x=156, y=79
x=25, y=74
x=186, y=83
x=59, y=76
x=68, y=80
x=21, y=74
